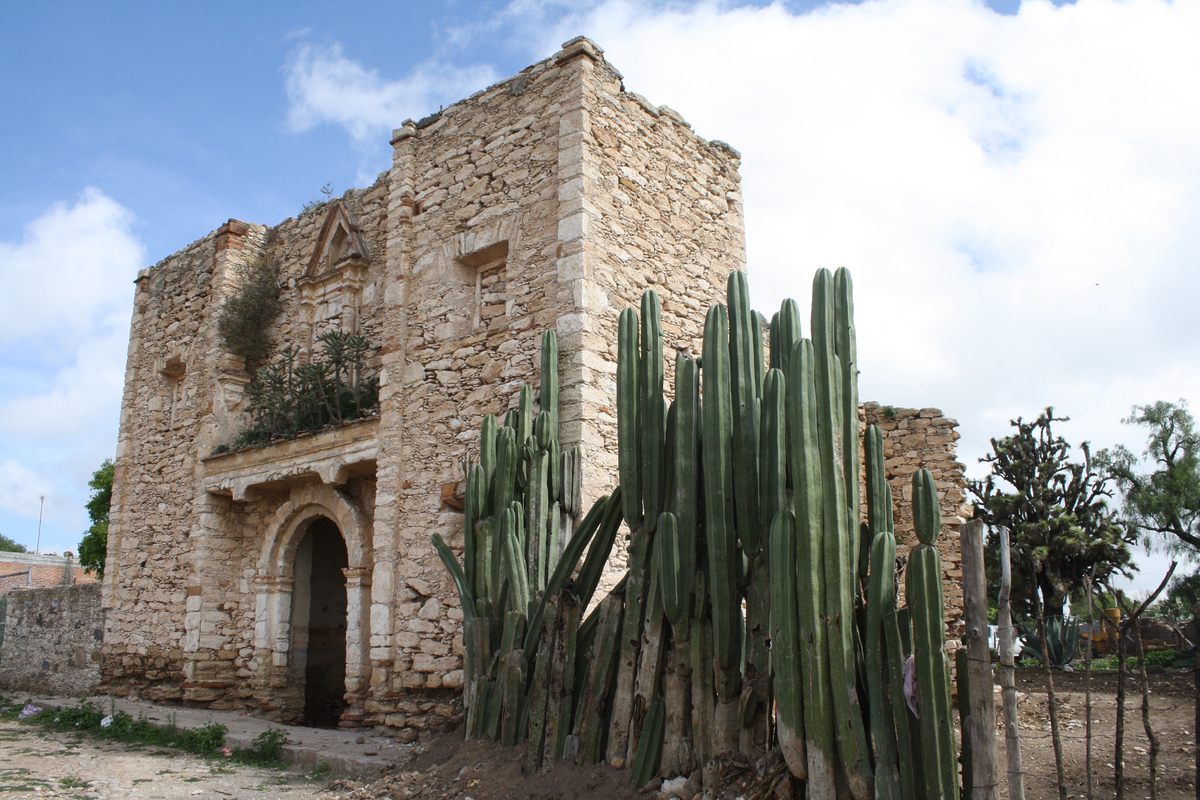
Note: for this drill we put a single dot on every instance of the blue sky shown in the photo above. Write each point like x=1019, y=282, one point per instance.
x=1016, y=187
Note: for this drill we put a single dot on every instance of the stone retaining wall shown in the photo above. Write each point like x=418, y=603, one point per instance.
x=52, y=640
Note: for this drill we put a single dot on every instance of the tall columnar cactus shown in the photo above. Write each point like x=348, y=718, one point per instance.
x=881, y=598
x=652, y=412
x=550, y=380
x=925, y=599
x=678, y=546
x=840, y=533
x=881, y=602
x=669, y=665
x=744, y=369
x=804, y=442
x=746, y=382
x=724, y=559
x=846, y=346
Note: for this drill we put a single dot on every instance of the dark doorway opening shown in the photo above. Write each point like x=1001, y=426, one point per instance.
x=319, y=622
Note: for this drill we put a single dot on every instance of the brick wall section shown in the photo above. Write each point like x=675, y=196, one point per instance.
x=52, y=640
x=47, y=570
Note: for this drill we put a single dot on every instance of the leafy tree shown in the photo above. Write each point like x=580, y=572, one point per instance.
x=7, y=545
x=1164, y=503
x=93, y=548
x=1057, y=513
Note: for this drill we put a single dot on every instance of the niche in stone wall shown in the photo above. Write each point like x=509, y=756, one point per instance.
x=488, y=270
x=332, y=287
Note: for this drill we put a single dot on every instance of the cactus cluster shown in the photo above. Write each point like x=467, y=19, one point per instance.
x=760, y=595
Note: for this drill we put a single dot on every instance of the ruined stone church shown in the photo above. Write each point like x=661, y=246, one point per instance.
x=297, y=579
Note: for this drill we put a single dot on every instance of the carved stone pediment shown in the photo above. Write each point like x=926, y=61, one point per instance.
x=331, y=289
x=340, y=243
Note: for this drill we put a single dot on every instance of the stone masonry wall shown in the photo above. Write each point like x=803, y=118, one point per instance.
x=915, y=439
x=52, y=640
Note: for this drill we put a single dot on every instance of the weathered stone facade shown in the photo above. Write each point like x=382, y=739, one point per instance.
x=548, y=201
x=52, y=639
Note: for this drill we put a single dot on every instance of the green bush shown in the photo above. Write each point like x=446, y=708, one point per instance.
x=264, y=751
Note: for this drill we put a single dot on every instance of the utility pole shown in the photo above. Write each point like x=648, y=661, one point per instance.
x=38, y=548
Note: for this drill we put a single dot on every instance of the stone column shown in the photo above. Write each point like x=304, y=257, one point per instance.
x=579, y=330
x=358, y=669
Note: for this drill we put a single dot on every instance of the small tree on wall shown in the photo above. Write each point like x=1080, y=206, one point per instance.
x=250, y=309
x=1057, y=511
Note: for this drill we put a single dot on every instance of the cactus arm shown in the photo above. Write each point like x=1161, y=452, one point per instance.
x=907, y=738
x=840, y=533
x=810, y=573
x=566, y=565
x=650, y=663
x=718, y=495
x=652, y=411
x=539, y=690
x=628, y=416
x=645, y=762
x=879, y=511
x=881, y=598
x=776, y=359
x=601, y=671
x=487, y=460
x=785, y=640
x=685, y=455
x=599, y=549
x=846, y=345
x=550, y=380
x=744, y=391
x=926, y=601
x=472, y=513
x=789, y=332
x=773, y=441
x=631, y=634
x=465, y=596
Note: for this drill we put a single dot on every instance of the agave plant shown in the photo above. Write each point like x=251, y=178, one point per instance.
x=1062, y=641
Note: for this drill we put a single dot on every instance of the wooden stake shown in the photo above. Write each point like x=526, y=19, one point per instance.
x=1008, y=681
x=980, y=725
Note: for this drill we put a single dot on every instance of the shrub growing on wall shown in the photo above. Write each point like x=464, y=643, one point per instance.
x=250, y=309
x=289, y=398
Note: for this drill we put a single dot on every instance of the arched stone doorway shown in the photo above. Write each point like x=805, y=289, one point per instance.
x=318, y=623
x=291, y=554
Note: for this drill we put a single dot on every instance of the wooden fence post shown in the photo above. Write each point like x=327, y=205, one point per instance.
x=1008, y=679
x=980, y=729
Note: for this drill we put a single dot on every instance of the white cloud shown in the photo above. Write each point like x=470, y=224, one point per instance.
x=73, y=268
x=64, y=324
x=325, y=86
x=21, y=489
x=79, y=398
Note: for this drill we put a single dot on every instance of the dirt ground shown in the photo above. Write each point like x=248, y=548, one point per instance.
x=37, y=763
x=1172, y=717
x=34, y=763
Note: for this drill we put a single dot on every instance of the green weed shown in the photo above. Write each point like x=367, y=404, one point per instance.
x=264, y=751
